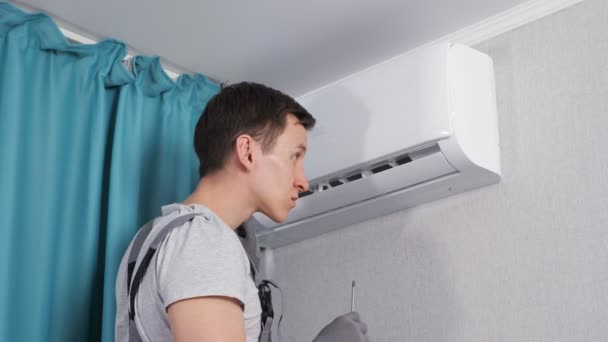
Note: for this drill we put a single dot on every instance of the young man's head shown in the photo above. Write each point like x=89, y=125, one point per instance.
x=262, y=133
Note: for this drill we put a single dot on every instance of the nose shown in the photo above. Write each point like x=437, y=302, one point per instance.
x=300, y=182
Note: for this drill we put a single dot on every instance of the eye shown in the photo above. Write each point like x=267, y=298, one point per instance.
x=296, y=156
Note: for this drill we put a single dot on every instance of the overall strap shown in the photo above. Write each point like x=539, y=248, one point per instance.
x=134, y=280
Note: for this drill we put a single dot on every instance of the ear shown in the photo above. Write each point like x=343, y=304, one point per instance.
x=245, y=148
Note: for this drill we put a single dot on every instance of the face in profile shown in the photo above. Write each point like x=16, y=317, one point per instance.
x=278, y=175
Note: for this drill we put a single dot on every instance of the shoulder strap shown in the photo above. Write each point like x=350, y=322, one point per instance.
x=133, y=281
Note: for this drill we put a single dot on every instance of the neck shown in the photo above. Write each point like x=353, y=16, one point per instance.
x=225, y=196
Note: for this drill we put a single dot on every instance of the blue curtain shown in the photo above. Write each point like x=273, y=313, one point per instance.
x=89, y=151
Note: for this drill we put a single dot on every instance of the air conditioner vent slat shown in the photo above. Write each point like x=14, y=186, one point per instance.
x=354, y=177
x=406, y=159
x=381, y=168
x=337, y=180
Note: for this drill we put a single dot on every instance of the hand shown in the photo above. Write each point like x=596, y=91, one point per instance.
x=345, y=328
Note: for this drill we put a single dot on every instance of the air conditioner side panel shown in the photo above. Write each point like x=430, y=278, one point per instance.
x=474, y=118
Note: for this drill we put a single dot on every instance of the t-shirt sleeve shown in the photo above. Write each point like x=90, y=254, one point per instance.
x=200, y=259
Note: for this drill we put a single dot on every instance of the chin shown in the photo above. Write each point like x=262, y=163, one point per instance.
x=278, y=217
x=281, y=219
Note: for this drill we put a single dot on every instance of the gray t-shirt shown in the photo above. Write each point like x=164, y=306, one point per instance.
x=203, y=257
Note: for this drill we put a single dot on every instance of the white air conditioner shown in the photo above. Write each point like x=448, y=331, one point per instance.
x=416, y=128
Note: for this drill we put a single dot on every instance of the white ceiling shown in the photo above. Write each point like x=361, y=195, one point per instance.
x=292, y=46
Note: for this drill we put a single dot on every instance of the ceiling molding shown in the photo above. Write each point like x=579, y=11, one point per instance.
x=486, y=29
x=506, y=21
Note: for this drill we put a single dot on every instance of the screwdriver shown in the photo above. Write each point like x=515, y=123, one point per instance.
x=352, y=297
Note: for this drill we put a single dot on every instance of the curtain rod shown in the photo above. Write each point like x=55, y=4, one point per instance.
x=80, y=39
x=75, y=37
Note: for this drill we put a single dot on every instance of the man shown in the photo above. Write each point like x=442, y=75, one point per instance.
x=250, y=141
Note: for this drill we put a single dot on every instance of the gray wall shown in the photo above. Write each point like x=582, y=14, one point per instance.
x=525, y=260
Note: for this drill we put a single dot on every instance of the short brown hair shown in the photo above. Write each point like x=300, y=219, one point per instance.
x=243, y=108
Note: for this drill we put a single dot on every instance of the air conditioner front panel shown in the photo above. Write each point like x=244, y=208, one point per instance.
x=409, y=93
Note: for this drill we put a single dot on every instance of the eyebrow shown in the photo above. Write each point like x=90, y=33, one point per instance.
x=302, y=147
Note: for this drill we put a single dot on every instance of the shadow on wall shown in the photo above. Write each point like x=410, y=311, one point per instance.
x=342, y=124
x=398, y=256
x=389, y=253
x=428, y=298
x=405, y=291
